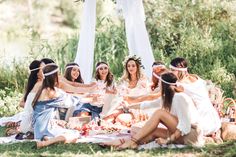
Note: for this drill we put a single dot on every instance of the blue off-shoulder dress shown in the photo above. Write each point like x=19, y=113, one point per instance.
x=45, y=112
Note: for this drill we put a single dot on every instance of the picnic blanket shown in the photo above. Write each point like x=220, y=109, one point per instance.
x=100, y=139
x=109, y=137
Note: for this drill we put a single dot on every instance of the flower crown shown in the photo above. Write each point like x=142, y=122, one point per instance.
x=135, y=58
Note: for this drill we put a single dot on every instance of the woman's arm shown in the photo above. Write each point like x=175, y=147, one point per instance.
x=139, y=99
x=71, y=89
x=75, y=84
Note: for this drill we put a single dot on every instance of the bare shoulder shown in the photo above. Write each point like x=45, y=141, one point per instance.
x=193, y=77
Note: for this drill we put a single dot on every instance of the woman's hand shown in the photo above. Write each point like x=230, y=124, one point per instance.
x=92, y=84
x=128, y=99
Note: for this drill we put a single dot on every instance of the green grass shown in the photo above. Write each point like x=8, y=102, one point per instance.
x=27, y=149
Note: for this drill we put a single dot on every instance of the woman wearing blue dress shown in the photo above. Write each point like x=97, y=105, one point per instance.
x=46, y=103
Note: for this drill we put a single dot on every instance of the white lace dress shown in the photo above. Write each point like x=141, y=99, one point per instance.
x=184, y=109
x=209, y=118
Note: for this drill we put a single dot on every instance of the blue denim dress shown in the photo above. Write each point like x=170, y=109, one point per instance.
x=44, y=116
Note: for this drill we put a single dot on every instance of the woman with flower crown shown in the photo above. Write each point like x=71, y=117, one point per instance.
x=133, y=83
x=133, y=79
x=152, y=100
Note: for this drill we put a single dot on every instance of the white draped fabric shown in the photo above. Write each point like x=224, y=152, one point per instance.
x=136, y=33
x=85, y=50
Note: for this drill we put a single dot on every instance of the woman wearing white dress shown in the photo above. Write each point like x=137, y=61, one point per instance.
x=133, y=83
x=178, y=114
x=151, y=100
x=133, y=79
x=195, y=87
x=34, y=82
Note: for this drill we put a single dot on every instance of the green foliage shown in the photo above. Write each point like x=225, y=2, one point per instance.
x=111, y=47
x=202, y=32
x=9, y=102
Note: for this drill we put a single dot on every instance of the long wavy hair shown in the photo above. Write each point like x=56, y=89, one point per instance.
x=168, y=91
x=180, y=63
x=109, y=77
x=49, y=82
x=33, y=77
x=68, y=76
x=126, y=75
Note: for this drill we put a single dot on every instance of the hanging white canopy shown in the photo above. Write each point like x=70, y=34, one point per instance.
x=136, y=34
x=85, y=50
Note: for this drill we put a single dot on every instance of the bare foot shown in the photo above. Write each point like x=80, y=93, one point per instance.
x=114, y=143
x=128, y=144
x=40, y=144
x=45, y=138
x=74, y=140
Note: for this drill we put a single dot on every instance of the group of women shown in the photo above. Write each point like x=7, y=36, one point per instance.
x=180, y=101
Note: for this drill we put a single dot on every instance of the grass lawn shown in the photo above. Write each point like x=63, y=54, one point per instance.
x=25, y=149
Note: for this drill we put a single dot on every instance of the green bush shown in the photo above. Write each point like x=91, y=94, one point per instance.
x=204, y=33
x=9, y=102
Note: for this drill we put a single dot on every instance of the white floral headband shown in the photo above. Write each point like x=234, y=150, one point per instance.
x=158, y=77
x=71, y=66
x=178, y=69
x=100, y=66
x=31, y=70
x=158, y=66
x=51, y=72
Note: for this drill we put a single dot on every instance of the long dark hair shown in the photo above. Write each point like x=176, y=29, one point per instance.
x=167, y=90
x=179, y=62
x=109, y=78
x=68, y=73
x=50, y=81
x=138, y=63
x=33, y=77
x=47, y=60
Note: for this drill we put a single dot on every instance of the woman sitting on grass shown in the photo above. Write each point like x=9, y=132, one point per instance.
x=133, y=83
x=73, y=77
x=153, y=99
x=68, y=86
x=47, y=100
x=178, y=114
x=34, y=82
x=195, y=87
x=73, y=74
x=105, y=85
